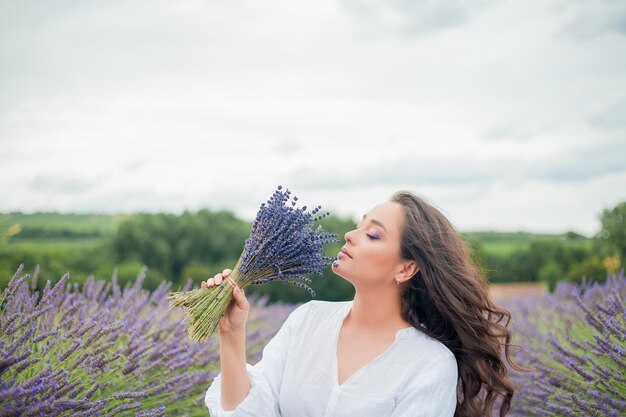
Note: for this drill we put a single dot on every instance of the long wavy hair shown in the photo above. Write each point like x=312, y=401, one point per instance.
x=449, y=296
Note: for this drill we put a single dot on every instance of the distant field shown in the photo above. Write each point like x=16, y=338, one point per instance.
x=504, y=248
x=20, y=225
x=505, y=243
x=59, y=243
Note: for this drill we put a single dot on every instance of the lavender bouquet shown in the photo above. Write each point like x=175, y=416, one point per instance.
x=283, y=246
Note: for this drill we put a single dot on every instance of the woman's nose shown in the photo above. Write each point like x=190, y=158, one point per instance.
x=348, y=236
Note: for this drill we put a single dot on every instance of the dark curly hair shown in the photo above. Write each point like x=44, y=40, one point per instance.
x=449, y=296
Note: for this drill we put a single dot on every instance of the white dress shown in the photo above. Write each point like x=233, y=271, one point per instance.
x=297, y=375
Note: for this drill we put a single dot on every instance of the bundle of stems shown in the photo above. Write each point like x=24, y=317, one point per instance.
x=283, y=246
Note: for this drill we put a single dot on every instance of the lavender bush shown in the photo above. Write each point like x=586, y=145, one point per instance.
x=103, y=351
x=574, y=341
x=283, y=246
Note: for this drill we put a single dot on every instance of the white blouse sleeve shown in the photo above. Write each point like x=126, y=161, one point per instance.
x=265, y=377
x=434, y=392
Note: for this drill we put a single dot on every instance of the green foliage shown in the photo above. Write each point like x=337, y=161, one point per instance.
x=550, y=273
x=527, y=264
x=613, y=231
x=79, y=258
x=199, y=272
x=57, y=261
x=591, y=268
x=168, y=243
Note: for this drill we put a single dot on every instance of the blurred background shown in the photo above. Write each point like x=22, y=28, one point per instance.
x=146, y=133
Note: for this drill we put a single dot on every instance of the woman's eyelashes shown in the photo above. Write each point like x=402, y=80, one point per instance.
x=372, y=236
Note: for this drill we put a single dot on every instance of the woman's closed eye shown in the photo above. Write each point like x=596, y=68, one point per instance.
x=373, y=236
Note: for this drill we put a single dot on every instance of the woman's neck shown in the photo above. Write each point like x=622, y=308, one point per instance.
x=377, y=311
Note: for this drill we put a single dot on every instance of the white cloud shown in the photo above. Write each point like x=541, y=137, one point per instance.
x=587, y=19
x=165, y=105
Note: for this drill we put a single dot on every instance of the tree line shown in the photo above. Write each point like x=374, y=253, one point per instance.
x=196, y=245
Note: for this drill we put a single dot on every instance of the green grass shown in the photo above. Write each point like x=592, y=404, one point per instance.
x=506, y=243
x=49, y=243
x=16, y=226
x=504, y=248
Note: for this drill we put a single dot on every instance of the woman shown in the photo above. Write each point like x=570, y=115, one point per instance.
x=420, y=338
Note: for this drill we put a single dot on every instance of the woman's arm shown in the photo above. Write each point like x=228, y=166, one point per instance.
x=235, y=383
x=258, y=395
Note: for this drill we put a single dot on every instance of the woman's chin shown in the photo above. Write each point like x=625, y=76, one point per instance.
x=340, y=270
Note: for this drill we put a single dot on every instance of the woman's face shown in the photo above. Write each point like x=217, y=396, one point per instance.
x=371, y=255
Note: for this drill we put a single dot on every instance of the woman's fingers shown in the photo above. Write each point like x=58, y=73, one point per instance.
x=218, y=279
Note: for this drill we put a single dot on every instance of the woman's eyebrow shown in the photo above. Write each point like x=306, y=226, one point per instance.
x=376, y=222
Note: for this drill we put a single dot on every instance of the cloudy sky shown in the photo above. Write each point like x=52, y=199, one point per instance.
x=507, y=115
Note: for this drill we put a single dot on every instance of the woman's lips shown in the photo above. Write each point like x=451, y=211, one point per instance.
x=345, y=252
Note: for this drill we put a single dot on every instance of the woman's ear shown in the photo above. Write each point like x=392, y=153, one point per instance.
x=408, y=271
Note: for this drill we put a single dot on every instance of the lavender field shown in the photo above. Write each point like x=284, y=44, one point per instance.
x=103, y=350
x=574, y=342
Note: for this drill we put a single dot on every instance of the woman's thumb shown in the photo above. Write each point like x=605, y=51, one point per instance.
x=239, y=296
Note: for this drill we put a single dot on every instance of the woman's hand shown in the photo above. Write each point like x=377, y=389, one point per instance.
x=234, y=320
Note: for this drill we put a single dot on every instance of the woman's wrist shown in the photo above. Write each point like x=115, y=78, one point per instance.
x=232, y=335
x=233, y=349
